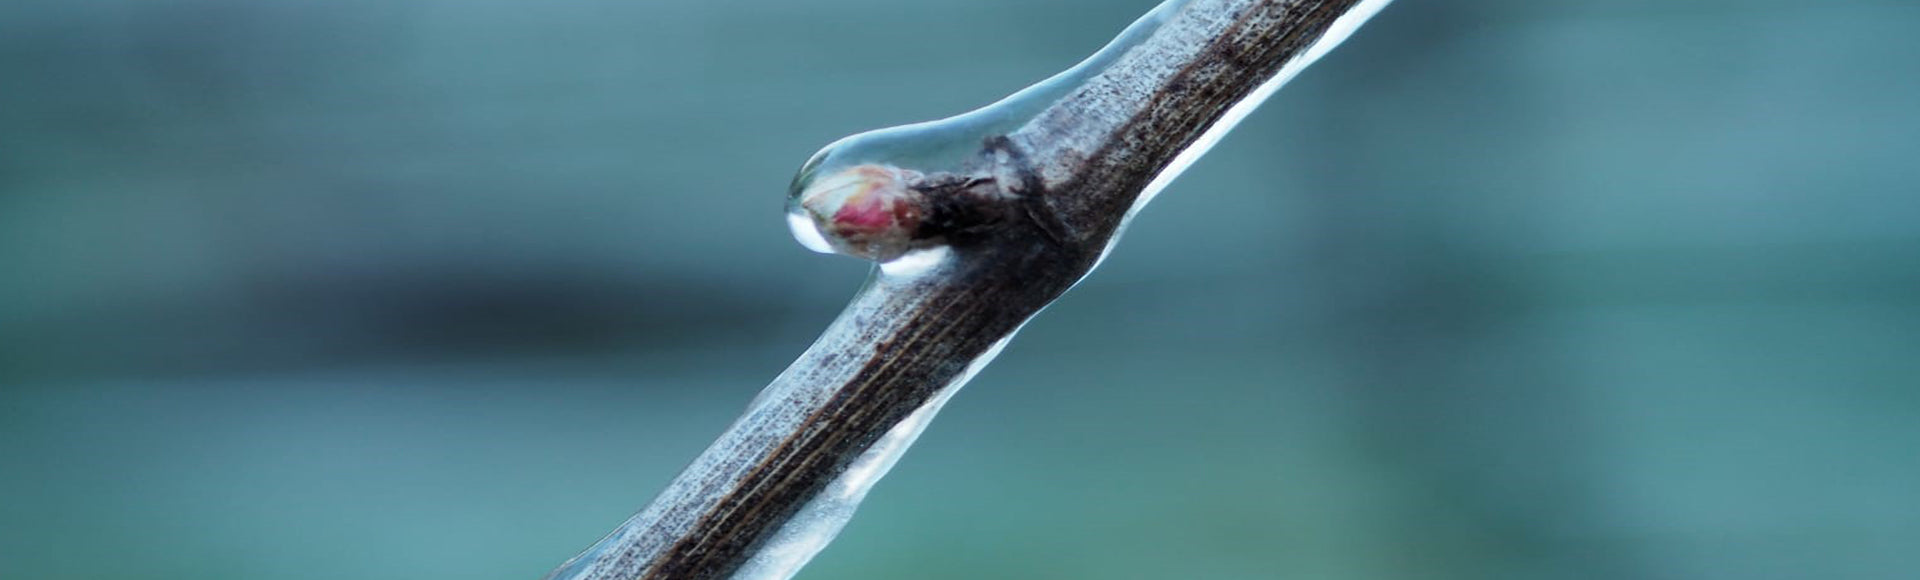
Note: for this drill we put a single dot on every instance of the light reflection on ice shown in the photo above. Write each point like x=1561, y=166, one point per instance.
x=916, y=262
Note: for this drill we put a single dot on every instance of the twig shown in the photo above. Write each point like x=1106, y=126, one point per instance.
x=1025, y=219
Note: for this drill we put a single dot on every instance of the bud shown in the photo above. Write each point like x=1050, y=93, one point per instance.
x=866, y=211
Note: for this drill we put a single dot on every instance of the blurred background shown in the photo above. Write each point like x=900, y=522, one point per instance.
x=447, y=289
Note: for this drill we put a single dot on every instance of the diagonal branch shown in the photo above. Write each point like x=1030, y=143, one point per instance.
x=1028, y=217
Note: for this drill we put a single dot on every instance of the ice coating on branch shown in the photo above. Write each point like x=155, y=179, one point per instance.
x=867, y=164
x=854, y=196
x=822, y=518
x=858, y=196
x=1335, y=34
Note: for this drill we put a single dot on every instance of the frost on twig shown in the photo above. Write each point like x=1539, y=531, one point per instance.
x=977, y=221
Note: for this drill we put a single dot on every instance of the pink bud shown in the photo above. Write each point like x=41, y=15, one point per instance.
x=865, y=210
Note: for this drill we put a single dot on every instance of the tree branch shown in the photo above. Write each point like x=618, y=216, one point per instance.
x=1028, y=216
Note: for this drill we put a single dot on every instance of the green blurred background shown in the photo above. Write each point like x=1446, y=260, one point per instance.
x=447, y=289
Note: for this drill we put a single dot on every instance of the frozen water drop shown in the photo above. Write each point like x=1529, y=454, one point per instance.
x=854, y=191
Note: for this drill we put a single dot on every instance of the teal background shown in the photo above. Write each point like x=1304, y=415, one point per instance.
x=446, y=289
